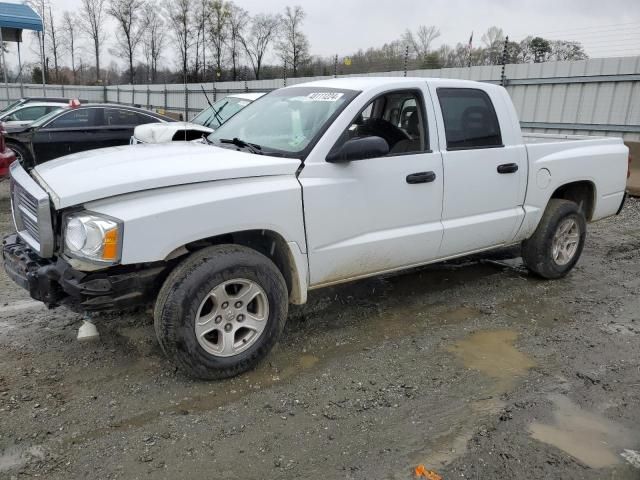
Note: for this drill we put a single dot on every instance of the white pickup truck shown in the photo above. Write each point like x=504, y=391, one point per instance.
x=309, y=186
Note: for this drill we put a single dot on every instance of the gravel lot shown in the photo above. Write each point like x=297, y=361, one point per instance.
x=473, y=369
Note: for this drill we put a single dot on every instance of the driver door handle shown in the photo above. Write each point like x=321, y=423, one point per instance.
x=421, y=177
x=508, y=168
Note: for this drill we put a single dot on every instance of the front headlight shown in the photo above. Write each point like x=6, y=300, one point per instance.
x=93, y=237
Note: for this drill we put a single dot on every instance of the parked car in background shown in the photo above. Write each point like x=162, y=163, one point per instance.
x=203, y=124
x=73, y=130
x=7, y=157
x=28, y=113
x=26, y=100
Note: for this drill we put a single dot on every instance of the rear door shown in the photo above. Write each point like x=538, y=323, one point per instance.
x=485, y=170
x=119, y=124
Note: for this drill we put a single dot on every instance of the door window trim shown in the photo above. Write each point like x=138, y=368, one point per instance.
x=493, y=110
x=420, y=97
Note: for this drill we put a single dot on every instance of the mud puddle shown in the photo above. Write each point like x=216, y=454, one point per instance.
x=493, y=354
x=589, y=437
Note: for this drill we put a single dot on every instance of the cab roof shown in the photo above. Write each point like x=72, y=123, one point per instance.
x=373, y=83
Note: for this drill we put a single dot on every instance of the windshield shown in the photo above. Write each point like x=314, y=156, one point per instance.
x=286, y=121
x=42, y=120
x=11, y=106
x=224, y=110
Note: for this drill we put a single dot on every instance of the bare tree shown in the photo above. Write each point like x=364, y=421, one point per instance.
x=129, y=17
x=181, y=24
x=200, y=20
x=54, y=42
x=494, y=43
x=421, y=41
x=153, y=40
x=263, y=30
x=217, y=19
x=293, y=44
x=92, y=23
x=238, y=21
x=69, y=28
x=40, y=6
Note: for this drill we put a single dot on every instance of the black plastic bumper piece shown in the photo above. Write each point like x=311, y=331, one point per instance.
x=55, y=282
x=624, y=200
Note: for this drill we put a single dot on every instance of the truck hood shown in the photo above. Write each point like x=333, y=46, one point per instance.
x=164, y=132
x=98, y=174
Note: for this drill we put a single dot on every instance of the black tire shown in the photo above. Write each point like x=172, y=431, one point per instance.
x=22, y=152
x=183, y=293
x=537, y=251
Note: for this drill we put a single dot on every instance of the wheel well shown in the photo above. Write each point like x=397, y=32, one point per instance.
x=583, y=193
x=267, y=242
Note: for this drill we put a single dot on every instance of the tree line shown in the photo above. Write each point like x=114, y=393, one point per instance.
x=173, y=41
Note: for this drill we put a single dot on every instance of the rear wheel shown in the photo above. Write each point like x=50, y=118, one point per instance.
x=221, y=311
x=556, y=245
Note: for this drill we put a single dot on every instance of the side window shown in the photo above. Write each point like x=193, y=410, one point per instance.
x=74, y=119
x=470, y=121
x=142, y=119
x=126, y=118
x=396, y=117
x=30, y=114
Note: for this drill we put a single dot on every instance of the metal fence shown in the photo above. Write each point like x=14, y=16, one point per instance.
x=592, y=97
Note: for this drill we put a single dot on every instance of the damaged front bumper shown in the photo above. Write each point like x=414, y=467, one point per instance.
x=54, y=282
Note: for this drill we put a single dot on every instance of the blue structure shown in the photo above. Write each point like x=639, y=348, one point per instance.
x=14, y=18
x=20, y=17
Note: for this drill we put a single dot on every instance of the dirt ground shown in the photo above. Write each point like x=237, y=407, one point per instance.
x=473, y=369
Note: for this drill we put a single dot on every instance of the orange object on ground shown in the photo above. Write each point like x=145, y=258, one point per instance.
x=421, y=471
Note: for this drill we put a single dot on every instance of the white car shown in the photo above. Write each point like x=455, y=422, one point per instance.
x=203, y=124
x=314, y=185
x=28, y=113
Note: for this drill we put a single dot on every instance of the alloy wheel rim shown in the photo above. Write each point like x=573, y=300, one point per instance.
x=232, y=317
x=565, y=242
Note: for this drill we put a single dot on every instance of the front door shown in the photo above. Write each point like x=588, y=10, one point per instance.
x=371, y=215
x=485, y=171
x=75, y=131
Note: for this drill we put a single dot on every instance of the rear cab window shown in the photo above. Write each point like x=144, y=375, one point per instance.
x=470, y=120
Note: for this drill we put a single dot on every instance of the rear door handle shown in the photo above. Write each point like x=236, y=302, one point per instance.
x=421, y=177
x=508, y=168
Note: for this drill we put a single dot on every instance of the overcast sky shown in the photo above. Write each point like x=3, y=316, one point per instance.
x=606, y=27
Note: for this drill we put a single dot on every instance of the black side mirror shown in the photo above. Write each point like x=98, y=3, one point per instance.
x=359, y=149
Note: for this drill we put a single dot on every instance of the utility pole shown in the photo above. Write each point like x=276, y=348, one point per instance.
x=406, y=59
x=503, y=78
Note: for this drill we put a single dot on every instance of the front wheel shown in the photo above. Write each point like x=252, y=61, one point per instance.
x=556, y=245
x=221, y=311
x=22, y=153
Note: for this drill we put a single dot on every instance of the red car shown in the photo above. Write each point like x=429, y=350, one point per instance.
x=7, y=157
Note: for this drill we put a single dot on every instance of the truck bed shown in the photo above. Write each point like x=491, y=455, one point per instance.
x=535, y=138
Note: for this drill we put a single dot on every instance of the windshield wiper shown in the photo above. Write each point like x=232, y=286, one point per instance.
x=252, y=147
x=217, y=113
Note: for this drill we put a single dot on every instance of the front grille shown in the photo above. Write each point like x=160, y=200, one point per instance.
x=28, y=207
x=31, y=212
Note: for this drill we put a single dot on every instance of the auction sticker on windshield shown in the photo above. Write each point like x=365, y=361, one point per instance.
x=325, y=96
